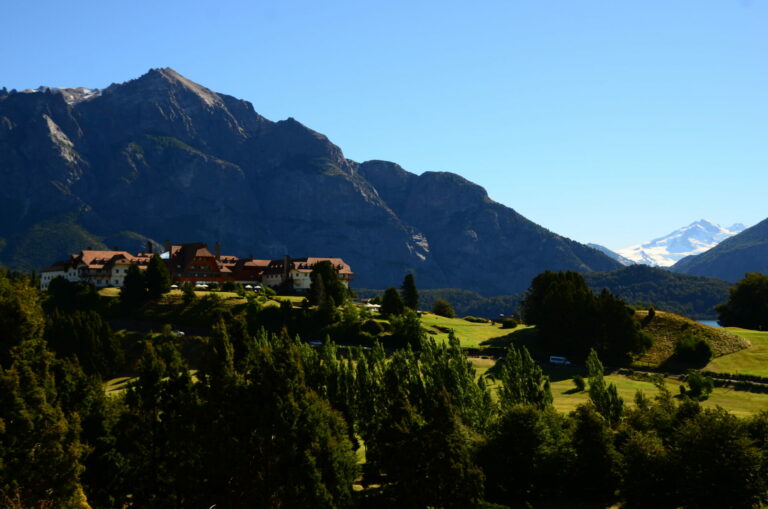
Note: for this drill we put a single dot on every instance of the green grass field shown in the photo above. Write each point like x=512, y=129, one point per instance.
x=566, y=398
x=471, y=335
x=750, y=361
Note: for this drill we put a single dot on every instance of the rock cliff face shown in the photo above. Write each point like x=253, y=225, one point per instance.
x=161, y=157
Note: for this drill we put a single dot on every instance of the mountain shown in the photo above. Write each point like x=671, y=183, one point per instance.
x=163, y=158
x=613, y=254
x=733, y=257
x=690, y=240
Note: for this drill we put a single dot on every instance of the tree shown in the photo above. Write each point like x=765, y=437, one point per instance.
x=523, y=381
x=85, y=335
x=606, y=399
x=409, y=293
x=332, y=286
x=596, y=470
x=442, y=307
x=747, y=304
x=528, y=457
x=571, y=319
x=405, y=331
x=391, y=303
x=21, y=316
x=699, y=386
x=157, y=277
x=134, y=291
x=40, y=450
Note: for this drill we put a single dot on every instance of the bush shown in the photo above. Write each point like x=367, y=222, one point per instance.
x=692, y=350
x=699, y=386
x=509, y=323
x=580, y=383
x=475, y=319
x=442, y=307
x=372, y=327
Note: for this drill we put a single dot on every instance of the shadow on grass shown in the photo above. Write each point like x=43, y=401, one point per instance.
x=521, y=337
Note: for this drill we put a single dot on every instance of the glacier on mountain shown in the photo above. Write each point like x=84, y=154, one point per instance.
x=693, y=239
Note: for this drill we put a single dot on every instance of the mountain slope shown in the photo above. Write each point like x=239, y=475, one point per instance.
x=693, y=239
x=732, y=258
x=692, y=296
x=163, y=158
x=613, y=254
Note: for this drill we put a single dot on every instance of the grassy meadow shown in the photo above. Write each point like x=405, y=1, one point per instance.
x=750, y=361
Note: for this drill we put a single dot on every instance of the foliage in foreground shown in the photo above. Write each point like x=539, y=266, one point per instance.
x=268, y=421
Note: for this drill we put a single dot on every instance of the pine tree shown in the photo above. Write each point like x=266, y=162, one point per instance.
x=391, y=303
x=409, y=293
x=157, y=277
x=134, y=291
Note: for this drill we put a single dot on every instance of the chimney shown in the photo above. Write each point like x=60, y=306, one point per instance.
x=286, y=261
x=218, y=250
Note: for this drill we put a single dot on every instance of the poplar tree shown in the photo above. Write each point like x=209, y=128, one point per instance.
x=606, y=399
x=523, y=381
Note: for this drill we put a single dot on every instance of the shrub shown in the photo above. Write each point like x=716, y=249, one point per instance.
x=580, y=383
x=509, y=323
x=442, y=307
x=475, y=319
x=692, y=350
x=699, y=386
x=372, y=327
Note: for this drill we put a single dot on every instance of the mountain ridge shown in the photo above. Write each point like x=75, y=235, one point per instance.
x=163, y=158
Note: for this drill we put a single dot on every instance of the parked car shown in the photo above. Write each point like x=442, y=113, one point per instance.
x=559, y=361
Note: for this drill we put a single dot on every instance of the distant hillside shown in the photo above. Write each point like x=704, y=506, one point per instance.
x=464, y=302
x=733, y=257
x=163, y=158
x=692, y=296
x=667, y=328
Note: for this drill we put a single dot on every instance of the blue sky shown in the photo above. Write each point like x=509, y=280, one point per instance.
x=605, y=121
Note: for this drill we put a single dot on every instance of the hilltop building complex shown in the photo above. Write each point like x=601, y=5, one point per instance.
x=192, y=263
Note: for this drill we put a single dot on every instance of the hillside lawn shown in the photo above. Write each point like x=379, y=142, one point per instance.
x=470, y=334
x=750, y=361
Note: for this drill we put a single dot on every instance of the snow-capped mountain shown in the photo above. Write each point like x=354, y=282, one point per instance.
x=693, y=239
x=613, y=254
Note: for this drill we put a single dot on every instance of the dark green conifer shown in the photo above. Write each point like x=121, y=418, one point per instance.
x=409, y=293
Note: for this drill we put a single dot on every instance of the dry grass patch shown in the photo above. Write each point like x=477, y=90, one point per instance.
x=667, y=328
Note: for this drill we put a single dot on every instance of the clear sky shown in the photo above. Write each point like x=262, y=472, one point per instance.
x=605, y=121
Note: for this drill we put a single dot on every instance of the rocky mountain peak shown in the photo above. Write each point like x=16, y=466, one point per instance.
x=162, y=157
